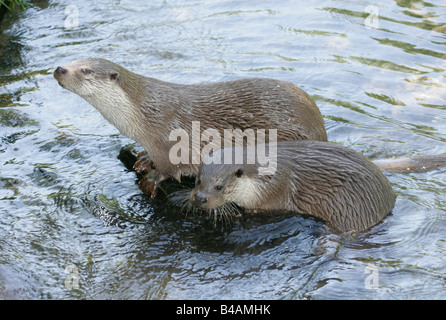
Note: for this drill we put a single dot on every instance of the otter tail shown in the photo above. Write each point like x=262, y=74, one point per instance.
x=414, y=164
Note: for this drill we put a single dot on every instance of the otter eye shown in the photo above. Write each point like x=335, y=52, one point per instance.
x=239, y=173
x=218, y=188
x=114, y=76
x=86, y=71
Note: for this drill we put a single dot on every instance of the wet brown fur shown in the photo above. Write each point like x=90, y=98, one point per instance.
x=321, y=179
x=413, y=164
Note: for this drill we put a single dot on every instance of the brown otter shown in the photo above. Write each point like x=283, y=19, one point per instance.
x=321, y=179
x=147, y=110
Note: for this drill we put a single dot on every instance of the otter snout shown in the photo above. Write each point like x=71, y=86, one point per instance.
x=59, y=72
x=199, y=200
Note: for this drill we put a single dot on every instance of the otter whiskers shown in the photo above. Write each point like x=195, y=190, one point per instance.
x=224, y=213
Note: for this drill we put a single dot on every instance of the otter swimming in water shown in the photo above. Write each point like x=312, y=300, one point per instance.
x=330, y=182
x=147, y=110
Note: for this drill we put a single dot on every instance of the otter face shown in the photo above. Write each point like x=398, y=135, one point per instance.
x=88, y=77
x=101, y=83
x=212, y=191
x=217, y=185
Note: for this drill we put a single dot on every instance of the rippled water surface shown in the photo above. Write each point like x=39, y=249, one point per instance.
x=378, y=80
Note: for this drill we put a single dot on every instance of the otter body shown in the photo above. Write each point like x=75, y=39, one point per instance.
x=321, y=179
x=147, y=110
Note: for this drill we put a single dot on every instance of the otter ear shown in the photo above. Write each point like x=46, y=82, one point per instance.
x=114, y=75
x=239, y=173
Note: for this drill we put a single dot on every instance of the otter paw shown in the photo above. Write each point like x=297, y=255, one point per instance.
x=148, y=187
x=143, y=163
x=149, y=182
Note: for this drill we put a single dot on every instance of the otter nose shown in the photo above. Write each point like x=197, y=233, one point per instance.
x=60, y=71
x=200, y=200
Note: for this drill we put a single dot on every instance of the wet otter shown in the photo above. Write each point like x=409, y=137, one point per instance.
x=321, y=179
x=147, y=110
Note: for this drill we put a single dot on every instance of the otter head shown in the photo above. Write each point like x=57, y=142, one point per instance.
x=219, y=184
x=104, y=85
x=88, y=77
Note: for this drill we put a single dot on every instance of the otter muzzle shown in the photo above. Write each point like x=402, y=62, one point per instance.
x=60, y=72
x=199, y=200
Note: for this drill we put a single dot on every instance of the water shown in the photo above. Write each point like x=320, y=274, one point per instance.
x=380, y=84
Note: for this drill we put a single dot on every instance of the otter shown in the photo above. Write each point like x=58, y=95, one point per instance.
x=327, y=181
x=147, y=110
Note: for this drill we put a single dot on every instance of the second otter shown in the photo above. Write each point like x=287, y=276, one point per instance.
x=321, y=179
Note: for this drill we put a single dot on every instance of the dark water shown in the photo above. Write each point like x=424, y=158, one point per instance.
x=380, y=84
